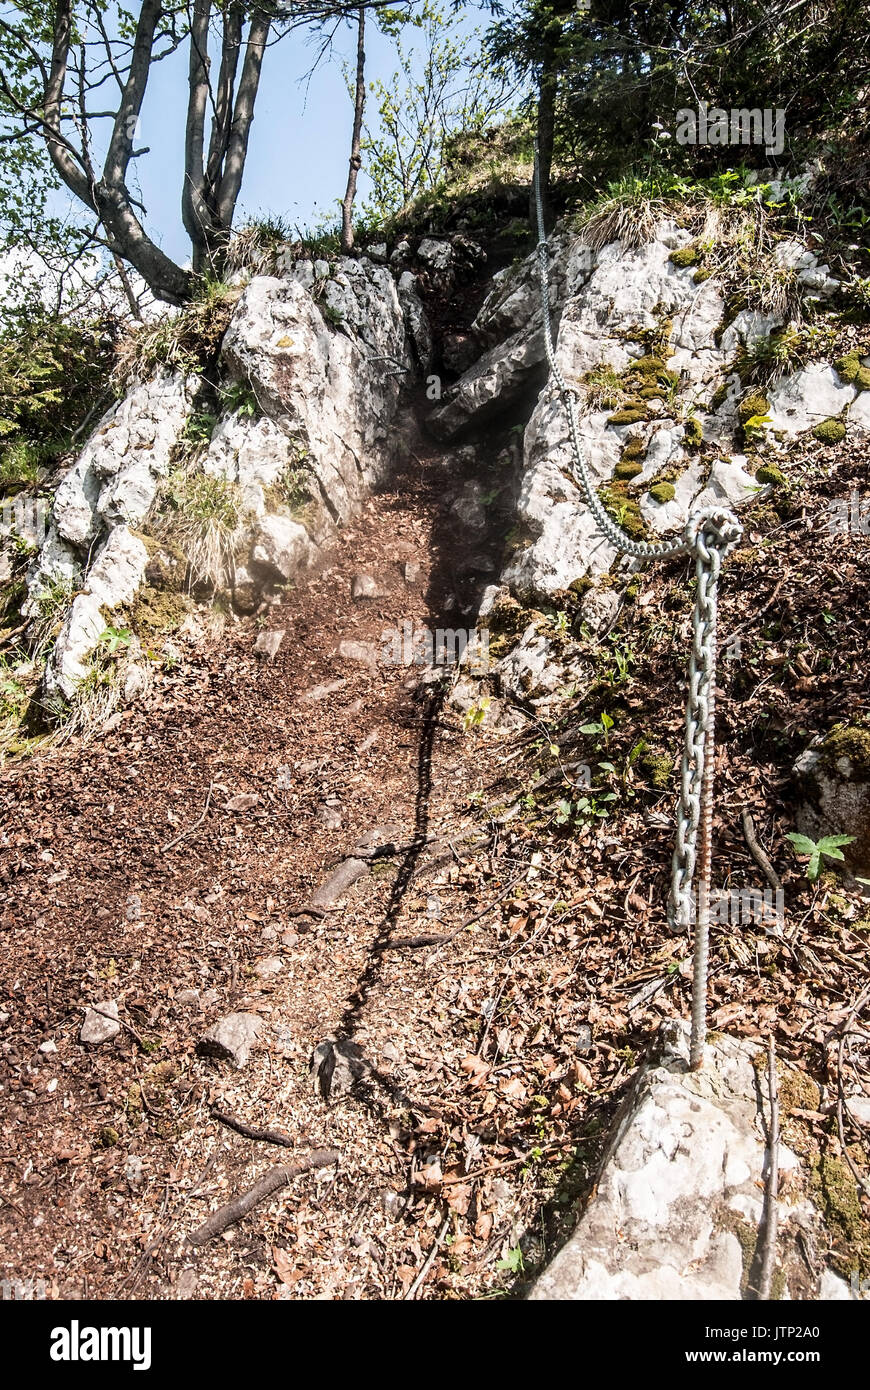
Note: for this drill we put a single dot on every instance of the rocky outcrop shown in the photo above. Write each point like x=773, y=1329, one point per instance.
x=678, y=1209
x=652, y=352
x=320, y=356
x=833, y=777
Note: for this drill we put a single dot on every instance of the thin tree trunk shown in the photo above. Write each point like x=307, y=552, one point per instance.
x=356, y=138
x=194, y=211
x=243, y=115
x=547, y=119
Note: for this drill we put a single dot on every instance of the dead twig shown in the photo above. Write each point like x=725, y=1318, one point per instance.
x=170, y=844
x=274, y=1180
x=758, y=853
x=430, y=1260
x=434, y=940
x=265, y=1136
x=137, y=1038
x=768, y=1258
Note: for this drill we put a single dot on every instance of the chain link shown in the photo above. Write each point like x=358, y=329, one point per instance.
x=709, y=535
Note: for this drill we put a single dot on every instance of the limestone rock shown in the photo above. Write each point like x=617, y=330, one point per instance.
x=281, y=547
x=231, y=1038
x=100, y=1023
x=800, y=402
x=498, y=378
x=364, y=586
x=112, y=581
x=682, y=1178
x=268, y=642
x=335, y=1066
x=364, y=653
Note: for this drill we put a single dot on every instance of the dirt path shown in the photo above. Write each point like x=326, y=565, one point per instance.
x=109, y=1154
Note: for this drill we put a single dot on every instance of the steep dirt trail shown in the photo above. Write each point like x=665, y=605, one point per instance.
x=110, y=1156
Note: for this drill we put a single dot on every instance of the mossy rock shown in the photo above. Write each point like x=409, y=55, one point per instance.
x=624, y=510
x=700, y=276
x=719, y=396
x=851, y=371
x=769, y=473
x=635, y=447
x=155, y=612
x=629, y=415
x=581, y=587
x=657, y=768
x=836, y=1192
x=755, y=403
x=651, y=393
x=662, y=492
x=684, y=256
x=693, y=433
x=852, y=742
x=648, y=365
x=508, y=617
x=627, y=469
x=830, y=431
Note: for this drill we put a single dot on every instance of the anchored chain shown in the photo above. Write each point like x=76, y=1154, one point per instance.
x=709, y=535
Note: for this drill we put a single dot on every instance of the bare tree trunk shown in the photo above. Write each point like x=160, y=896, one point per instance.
x=194, y=210
x=243, y=115
x=356, y=138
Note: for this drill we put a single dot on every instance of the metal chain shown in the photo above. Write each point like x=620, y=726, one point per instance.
x=709, y=535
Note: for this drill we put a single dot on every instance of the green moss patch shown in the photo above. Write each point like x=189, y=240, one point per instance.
x=662, y=492
x=836, y=1192
x=693, y=433
x=627, y=469
x=634, y=448
x=624, y=510
x=851, y=741
x=850, y=370
x=629, y=415
x=685, y=256
x=769, y=473
x=755, y=403
x=656, y=767
x=156, y=612
x=830, y=431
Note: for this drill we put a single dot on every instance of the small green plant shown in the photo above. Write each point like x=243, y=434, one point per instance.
x=474, y=717
x=827, y=847
x=239, y=398
x=332, y=315
x=114, y=639
x=602, y=726
x=513, y=1262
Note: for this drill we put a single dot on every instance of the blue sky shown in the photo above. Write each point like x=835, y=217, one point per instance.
x=299, y=146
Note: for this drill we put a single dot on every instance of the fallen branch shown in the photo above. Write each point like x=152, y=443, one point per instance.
x=758, y=853
x=768, y=1257
x=430, y=1260
x=265, y=1136
x=432, y=940
x=274, y=1180
x=170, y=844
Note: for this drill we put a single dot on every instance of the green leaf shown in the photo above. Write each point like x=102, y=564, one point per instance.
x=802, y=843
x=828, y=841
